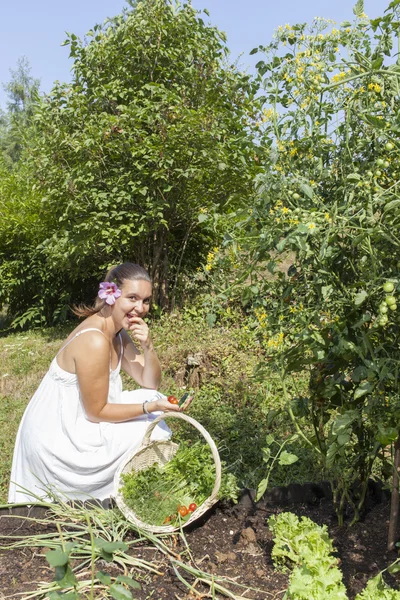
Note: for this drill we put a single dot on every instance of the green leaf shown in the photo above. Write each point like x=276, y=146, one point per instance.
x=307, y=190
x=107, y=556
x=103, y=577
x=202, y=217
x=377, y=63
x=395, y=567
x=266, y=454
x=119, y=592
x=359, y=373
x=111, y=547
x=129, y=581
x=363, y=389
x=211, y=318
x=344, y=421
x=287, y=458
x=254, y=51
x=326, y=291
x=378, y=123
x=392, y=203
x=359, y=8
x=360, y=297
x=57, y=558
x=386, y=435
x=68, y=579
x=353, y=177
x=262, y=486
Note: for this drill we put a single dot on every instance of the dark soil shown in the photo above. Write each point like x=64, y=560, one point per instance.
x=230, y=541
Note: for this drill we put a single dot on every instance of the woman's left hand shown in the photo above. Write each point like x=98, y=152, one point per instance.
x=140, y=331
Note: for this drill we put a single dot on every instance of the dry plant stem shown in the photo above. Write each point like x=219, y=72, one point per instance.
x=209, y=579
x=394, y=505
x=93, y=557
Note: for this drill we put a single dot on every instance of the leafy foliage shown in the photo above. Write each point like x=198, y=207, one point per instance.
x=138, y=159
x=321, y=238
x=155, y=493
x=306, y=548
x=22, y=91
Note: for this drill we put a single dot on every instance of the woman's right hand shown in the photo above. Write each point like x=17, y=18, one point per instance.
x=165, y=406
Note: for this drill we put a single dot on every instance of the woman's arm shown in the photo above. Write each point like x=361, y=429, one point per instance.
x=144, y=368
x=92, y=367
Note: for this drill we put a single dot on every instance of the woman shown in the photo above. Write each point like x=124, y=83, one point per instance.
x=80, y=423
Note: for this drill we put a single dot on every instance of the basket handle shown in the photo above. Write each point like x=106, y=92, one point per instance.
x=178, y=415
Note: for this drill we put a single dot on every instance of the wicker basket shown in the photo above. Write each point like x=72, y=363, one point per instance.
x=160, y=452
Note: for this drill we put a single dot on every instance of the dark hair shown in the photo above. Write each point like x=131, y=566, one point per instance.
x=118, y=275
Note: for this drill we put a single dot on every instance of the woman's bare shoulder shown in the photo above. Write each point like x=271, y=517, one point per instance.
x=85, y=344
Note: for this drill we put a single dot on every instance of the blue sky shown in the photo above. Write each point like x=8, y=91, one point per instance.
x=36, y=29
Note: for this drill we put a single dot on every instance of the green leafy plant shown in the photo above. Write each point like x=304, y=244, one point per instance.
x=281, y=455
x=305, y=547
x=156, y=493
x=320, y=269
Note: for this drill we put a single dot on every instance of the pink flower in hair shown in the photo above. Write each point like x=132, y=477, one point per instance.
x=109, y=292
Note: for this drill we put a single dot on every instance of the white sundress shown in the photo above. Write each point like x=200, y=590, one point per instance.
x=58, y=446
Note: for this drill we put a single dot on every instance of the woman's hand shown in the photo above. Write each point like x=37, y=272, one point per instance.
x=140, y=331
x=165, y=406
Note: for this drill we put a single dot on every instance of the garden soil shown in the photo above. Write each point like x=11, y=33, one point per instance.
x=230, y=541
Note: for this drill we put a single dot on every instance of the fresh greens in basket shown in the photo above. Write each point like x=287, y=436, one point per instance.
x=164, y=495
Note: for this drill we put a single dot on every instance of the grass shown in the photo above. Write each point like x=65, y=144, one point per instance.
x=230, y=402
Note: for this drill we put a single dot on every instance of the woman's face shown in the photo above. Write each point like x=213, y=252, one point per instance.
x=133, y=302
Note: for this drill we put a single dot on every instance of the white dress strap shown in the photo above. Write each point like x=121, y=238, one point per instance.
x=78, y=334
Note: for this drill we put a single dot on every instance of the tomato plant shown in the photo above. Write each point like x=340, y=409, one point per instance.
x=320, y=242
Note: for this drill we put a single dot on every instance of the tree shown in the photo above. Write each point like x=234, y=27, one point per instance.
x=22, y=91
x=143, y=153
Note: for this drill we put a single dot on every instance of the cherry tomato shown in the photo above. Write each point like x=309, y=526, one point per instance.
x=183, y=511
x=192, y=507
x=390, y=300
x=388, y=287
x=173, y=400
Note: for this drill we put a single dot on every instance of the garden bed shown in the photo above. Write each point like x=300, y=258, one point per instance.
x=233, y=542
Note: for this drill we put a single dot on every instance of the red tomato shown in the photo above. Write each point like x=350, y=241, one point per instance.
x=192, y=507
x=183, y=511
x=173, y=400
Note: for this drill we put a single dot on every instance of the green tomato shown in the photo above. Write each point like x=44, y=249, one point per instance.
x=389, y=146
x=393, y=306
x=386, y=164
x=369, y=173
x=378, y=173
x=388, y=287
x=296, y=196
x=390, y=300
x=382, y=320
x=383, y=309
x=379, y=162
